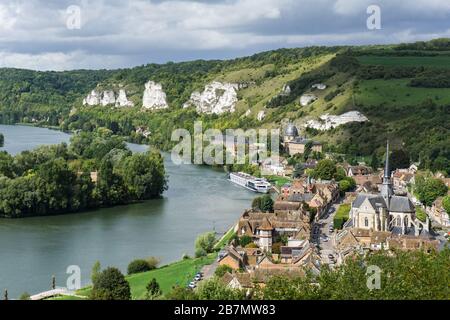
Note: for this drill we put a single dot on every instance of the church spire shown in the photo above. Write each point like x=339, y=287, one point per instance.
x=386, y=188
x=387, y=174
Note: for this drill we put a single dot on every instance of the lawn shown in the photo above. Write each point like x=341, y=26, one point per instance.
x=430, y=62
x=341, y=216
x=225, y=239
x=278, y=181
x=397, y=92
x=177, y=273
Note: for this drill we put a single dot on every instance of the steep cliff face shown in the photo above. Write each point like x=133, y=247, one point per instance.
x=154, y=96
x=106, y=98
x=327, y=122
x=216, y=98
x=122, y=100
x=93, y=98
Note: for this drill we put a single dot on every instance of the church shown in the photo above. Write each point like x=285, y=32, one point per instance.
x=385, y=211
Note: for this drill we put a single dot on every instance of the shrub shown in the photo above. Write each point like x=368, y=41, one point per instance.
x=25, y=296
x=110, y=284
x=206, y=242
x=138, y=266
x=200, y=252
x=153, y=262
x=276, y=247
x=222, y=269
x=245, y=240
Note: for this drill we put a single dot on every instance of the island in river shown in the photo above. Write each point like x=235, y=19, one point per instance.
x=34, y=249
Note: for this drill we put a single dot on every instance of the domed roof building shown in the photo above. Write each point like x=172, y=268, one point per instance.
x=291, y=130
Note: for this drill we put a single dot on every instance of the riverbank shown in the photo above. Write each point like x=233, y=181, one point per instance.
x=165, y=228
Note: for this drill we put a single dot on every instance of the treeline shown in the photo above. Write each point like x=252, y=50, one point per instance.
x=442, y=44
x=440, y=79
x=96, y=170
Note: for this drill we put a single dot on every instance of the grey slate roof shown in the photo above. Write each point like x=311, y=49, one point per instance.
x=396, y=203
x=401, y=204
x=300, y=197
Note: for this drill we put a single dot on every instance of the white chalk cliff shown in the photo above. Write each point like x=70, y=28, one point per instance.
x=122, y=100
x=106, y=98
x=327, y=122
x=216, y=98
x=93, y=98
x=154, y=96
x=307, y=99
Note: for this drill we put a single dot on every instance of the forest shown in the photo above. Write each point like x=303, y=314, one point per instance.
x=96, y=170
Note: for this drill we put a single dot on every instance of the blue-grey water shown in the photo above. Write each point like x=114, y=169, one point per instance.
x=199, y=199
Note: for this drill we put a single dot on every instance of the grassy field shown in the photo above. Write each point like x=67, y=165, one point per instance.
x=397, y=92
x=177, y=273
x=429, y=62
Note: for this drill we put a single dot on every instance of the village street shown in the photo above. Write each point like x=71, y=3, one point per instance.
x=323, y=237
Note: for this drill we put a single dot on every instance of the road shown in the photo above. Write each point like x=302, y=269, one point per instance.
x=323, y=236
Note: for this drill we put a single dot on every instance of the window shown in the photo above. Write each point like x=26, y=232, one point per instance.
x=366, y=222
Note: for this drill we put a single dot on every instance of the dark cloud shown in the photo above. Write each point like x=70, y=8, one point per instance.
x=116, y=33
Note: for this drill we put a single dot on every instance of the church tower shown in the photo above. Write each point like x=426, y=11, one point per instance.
x=386, y=188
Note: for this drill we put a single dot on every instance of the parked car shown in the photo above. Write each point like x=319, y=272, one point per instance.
x=198, y=278
x=192, y=285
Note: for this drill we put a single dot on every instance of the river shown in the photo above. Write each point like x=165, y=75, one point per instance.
x=199, y=199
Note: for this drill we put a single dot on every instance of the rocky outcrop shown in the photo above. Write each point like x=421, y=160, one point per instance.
x=261, y=115
x=122, y=100
x=108, y=98
x=154, y=96
x=327, y=122
x=307, y=99
x=92, y=99
x=216, y=98
x=286, y=91
x=319, y=86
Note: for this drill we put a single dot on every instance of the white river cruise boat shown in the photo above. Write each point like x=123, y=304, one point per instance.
x=250, y=182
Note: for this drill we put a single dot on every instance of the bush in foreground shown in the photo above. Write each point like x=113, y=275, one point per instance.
x=110, y=284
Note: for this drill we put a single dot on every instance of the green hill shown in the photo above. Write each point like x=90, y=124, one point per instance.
x=403, y=89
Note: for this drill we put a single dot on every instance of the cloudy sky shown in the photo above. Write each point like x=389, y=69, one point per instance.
x=51, y=35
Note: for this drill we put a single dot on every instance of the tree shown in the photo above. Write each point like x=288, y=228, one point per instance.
x=374, y=162
x=96, y=269
x=181, y=293
x=346, y=184
x=153, y=290
x=206, y=242
x=256, y=203
x=2, y=140
x=399, y=159
x=222, y=269
x=325, y=170
x=214, y=290
x=299, y=170
x=429, y=189
x=446, y=204
x=138, y=266
x=266, y=203
x=245, y=240
x=111, y=285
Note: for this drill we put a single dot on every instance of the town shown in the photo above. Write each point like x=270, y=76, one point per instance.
x=314, y=220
